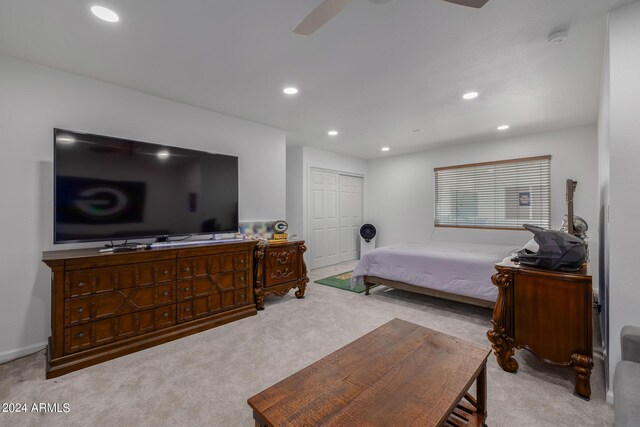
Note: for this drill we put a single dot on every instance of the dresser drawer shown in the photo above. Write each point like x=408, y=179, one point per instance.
x=213, y=303
x=185, y=290
x=208, y=284
x=78, y=310
x=282, y=265
x=78, y=338
x=107, y=279
x=117, y=303
x=240, y=261
x=95, y=334
x=78, y=283
x=213, y=264
x=184, y=311
x=243, y=296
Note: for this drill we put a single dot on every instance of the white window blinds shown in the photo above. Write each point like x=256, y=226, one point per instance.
x=502, y=195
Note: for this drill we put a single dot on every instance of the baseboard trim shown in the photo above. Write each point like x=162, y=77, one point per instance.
x=17, y=353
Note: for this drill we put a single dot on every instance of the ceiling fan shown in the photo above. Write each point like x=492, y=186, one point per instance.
x=330, y=8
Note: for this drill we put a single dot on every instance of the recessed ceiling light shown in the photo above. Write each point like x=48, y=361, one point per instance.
x=163, y=154
x=105, y=14
x=332, y=133
x=385, y=149
x=416, y=130
x=290, y=90
x=503, y=127
x=470, y=95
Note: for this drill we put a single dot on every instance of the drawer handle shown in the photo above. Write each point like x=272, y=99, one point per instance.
x=187, y=269
x=186, y=309
x=241, y=278
x=186, y=289
x=81, y=334
x=165, y=314
x=165, y=293
x=241, y=261
x=165, y=272
x=80, y=309
x=81, y=284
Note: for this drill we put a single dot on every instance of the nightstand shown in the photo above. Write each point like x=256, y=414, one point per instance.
x=279, y=267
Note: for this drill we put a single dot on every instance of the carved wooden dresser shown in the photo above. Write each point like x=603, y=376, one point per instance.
x=107, y=305
x=548, y=313
x=279, y=267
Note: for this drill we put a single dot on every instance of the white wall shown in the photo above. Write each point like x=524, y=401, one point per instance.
x=34, y=100
x=401, y=188
x=299, y=160
x=624, y=145
x=604, y=171
x=295, y=178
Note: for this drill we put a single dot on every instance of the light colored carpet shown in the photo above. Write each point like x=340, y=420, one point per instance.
x=205, y=379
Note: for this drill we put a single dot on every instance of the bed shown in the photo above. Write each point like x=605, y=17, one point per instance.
x=456, y=271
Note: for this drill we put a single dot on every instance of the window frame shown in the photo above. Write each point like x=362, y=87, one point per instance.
x=472, y=165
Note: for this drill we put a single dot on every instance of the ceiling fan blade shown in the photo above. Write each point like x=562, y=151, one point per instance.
x=320, y=16
x=470, y=3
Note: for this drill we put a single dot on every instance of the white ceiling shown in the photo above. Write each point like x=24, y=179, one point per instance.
x=375, y=72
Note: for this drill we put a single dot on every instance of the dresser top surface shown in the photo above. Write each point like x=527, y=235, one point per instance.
x=66, y=254
x=583, y=273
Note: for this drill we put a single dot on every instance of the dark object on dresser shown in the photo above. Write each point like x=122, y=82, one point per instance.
x=107, y=305
x=279, y=267
x=548, y=313
x=556, y=250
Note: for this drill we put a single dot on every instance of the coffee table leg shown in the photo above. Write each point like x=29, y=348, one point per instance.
x=259, y=421
x=481, y=392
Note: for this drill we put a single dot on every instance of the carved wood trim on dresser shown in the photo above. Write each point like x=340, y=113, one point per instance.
x=279, y=268
x=107, y=305
x=548, y=313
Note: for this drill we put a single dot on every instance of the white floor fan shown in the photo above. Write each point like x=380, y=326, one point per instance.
x=330, y=8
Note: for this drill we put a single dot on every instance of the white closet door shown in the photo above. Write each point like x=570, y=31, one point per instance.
x=323, y=219
x=350, y=217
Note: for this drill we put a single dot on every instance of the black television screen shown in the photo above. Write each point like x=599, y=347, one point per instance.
x=114, y=189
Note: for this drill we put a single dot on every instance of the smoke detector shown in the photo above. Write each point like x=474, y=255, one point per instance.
x=558, y=37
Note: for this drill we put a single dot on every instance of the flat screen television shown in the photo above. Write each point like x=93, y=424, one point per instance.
x=109, y=189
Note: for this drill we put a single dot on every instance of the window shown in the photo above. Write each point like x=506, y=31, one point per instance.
x=502, y=195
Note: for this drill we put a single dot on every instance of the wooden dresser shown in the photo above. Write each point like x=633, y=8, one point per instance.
x=279, y=267
x=107, y=305
x=548, y=313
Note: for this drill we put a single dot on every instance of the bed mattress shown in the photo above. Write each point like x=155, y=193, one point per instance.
x=456, y=268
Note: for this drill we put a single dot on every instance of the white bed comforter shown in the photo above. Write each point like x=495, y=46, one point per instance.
x=457, y=268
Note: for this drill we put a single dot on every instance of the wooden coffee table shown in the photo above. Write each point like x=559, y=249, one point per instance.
x=398, y=374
